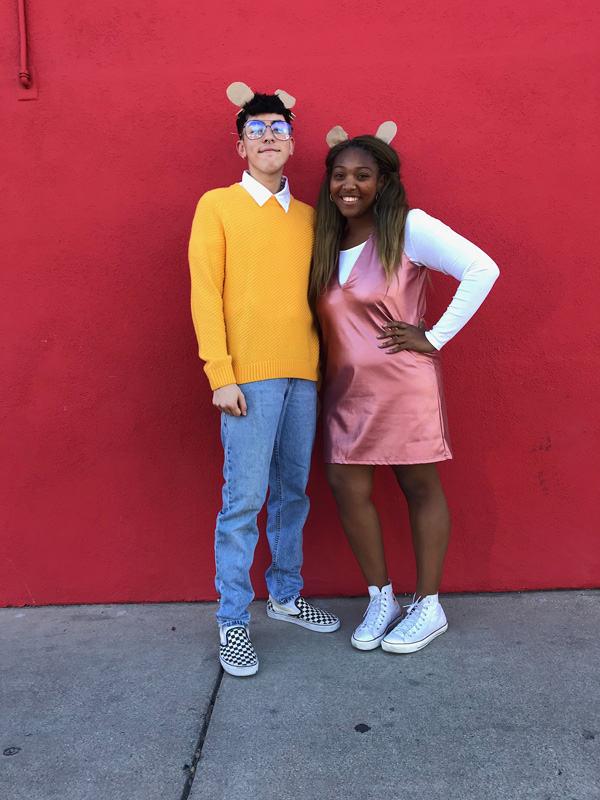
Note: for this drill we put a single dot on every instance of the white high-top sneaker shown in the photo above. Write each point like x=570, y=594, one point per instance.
x=382, y=614
x=424, y=620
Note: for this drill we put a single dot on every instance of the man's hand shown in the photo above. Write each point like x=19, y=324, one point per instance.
x=402, y=336
x=230, y=400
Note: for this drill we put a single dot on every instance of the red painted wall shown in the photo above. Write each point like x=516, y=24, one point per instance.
x=111, y=455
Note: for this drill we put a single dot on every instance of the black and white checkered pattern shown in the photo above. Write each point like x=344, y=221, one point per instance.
x=307, y=615
x=236, y=654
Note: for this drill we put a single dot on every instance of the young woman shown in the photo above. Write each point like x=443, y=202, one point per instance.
x=383, y=392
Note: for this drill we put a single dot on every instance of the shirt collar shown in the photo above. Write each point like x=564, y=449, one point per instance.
x=261, y=194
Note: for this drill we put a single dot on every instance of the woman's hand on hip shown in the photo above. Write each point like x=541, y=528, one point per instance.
x=402, y=336
x=230, y=400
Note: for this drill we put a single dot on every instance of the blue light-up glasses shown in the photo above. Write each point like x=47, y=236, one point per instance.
x=256, y=128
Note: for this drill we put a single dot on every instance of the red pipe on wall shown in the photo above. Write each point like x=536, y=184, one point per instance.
x=24, y=75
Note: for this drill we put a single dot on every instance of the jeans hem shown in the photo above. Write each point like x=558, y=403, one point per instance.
x=230, y=623
x=290, y=599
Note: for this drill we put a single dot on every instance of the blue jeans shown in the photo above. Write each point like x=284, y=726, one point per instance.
x=269, y=448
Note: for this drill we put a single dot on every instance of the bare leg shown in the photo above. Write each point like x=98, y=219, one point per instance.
x=352, y=485
x=429, y=521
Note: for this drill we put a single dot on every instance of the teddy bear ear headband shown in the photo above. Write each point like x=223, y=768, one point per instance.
x=240, y=94
x=385, y=132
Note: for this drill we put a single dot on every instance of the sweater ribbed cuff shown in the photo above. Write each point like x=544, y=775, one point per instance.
x=220, y=376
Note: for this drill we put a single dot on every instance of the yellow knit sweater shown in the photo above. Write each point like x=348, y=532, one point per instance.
x=249, y=266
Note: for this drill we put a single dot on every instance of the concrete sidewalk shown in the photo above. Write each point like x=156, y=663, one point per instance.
x=111, y=702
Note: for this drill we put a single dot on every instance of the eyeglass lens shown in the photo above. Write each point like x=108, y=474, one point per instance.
x=255, y=129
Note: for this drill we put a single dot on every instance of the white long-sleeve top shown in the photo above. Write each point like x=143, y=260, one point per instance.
x=430, y=243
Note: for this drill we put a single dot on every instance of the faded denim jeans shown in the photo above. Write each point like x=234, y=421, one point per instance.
x=270, y=448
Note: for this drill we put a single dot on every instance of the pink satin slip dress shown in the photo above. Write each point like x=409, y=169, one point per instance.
x=379, y=408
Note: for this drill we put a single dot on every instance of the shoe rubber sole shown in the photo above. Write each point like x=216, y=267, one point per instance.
x=412, y=647
x=312, y=626
x=373, y=644
x=239, y=672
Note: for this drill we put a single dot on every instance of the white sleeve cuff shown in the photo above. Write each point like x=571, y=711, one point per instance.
x=432, y=339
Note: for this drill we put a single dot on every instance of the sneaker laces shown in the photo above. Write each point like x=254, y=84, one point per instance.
x=415, y=615
x=375, y=612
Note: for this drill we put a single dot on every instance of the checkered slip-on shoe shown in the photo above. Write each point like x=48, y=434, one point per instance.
x=303, y=613
x=236, y=654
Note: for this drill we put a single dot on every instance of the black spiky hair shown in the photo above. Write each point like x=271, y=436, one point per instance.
x=262, y=104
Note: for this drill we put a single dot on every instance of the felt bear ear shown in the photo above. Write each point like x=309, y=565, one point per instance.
x=336, y=135
x=239, y=94
x=287, y=99
x=387, y=131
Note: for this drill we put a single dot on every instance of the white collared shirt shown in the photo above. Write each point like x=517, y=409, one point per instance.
x=261, y=194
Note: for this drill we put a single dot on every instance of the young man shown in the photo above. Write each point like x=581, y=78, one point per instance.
x=250, y=252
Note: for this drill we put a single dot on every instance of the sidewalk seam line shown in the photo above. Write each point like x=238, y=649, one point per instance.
x=201, y=738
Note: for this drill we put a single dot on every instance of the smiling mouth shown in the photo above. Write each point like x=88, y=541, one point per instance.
x=349, y=199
